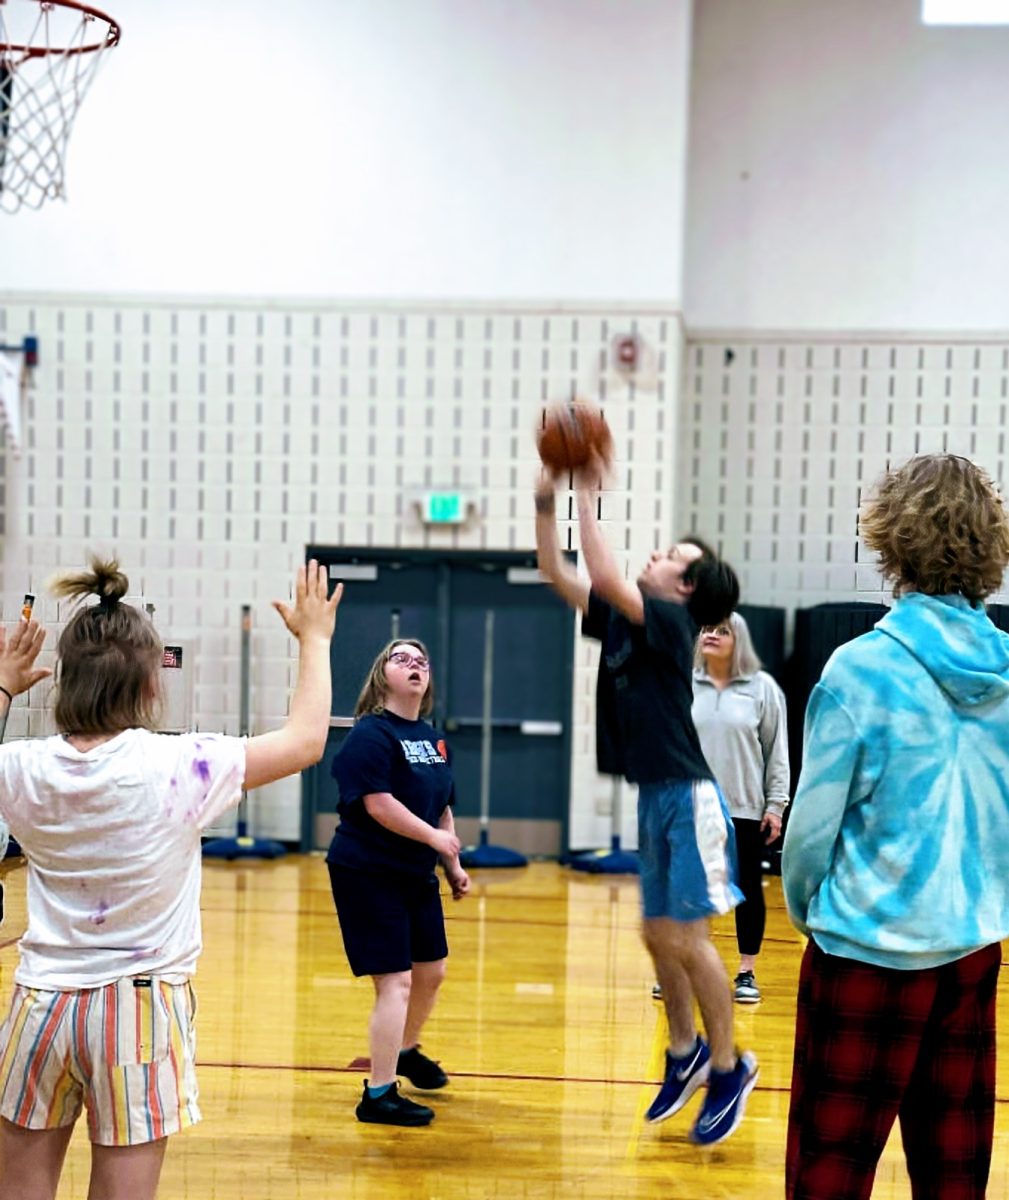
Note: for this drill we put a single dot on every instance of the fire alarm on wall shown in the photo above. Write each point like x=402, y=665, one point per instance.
x=627, y=351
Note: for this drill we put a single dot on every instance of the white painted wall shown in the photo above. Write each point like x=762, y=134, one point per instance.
x=846, y=169
x=206, y=444
x=424, y=148
x=244, y=154
x=521, y=149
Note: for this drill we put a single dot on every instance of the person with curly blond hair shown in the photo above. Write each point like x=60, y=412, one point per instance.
x=896, y=859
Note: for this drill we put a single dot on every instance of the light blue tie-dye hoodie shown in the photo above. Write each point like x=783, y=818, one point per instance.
x=897, y=851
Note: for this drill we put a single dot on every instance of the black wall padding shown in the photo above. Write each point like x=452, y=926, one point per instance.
x=767, y=628
x=999, y=614
x=818, y=633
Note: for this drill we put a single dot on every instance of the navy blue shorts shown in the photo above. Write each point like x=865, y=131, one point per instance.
x=687, y=848
x=388, y=922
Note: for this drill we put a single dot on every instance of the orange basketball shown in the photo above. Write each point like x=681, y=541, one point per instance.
x=571, y=434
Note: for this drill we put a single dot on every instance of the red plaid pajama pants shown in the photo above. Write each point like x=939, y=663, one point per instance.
x=873, y=1045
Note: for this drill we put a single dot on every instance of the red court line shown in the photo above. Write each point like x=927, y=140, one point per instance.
x=489, y=1075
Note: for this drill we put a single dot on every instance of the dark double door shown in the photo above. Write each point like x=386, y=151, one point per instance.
x=444, y=599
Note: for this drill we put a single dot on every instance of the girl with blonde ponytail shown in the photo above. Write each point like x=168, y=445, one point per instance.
x=109, y=814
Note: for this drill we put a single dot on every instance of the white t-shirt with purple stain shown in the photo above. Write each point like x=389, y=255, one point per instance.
x=112, y=839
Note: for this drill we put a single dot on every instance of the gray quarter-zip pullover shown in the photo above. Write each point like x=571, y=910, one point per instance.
x=745, y=741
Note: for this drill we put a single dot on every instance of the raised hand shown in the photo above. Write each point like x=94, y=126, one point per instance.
x=18, y=652
x=596, y=472
x=313, y=615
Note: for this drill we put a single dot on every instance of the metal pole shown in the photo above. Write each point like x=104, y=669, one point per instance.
x=394, y=624
x=616, y=810
x=486, y=855
x=485, y=740
x=443, y=645
x=244, y=698
x=243, y=704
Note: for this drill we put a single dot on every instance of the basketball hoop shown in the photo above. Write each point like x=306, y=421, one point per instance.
x=50, y=51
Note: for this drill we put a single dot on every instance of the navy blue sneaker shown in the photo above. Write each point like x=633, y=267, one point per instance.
x=725, y=1102
x=683, y=1077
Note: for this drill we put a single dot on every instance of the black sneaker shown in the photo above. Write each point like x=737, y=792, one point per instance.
x=392, y=1109
x=423, y=1072
x=745, y=988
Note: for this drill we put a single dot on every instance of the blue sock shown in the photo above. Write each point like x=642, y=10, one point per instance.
x=375, y=1092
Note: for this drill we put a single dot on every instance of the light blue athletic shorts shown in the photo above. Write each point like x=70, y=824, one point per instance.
x=687, y=848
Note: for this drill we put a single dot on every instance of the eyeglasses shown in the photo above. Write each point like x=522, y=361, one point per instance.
x=716, y=631
x=402, y=659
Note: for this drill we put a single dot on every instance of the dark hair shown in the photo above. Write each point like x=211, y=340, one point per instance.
x=108, y=657
x=372, y=697
x=716, y=585
x=939, y=527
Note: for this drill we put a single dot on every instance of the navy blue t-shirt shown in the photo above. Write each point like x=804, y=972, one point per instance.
x=410, y=761
x=644, y=693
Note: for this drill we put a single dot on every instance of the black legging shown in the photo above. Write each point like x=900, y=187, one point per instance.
x=752, y=913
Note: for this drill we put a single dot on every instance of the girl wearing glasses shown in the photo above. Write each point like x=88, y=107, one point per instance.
x=739, y=714
x=396, y=794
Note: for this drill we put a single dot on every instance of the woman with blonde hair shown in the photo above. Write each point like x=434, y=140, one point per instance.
x=739, y=714
x=396, y=793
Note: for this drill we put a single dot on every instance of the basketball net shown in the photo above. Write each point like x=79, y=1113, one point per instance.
x=50, y=51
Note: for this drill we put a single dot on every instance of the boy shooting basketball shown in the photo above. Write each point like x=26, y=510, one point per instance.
x=645, y=733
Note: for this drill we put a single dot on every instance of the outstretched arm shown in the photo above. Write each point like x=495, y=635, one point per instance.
x=607, y=581
x=301, y=740
x=555, y=568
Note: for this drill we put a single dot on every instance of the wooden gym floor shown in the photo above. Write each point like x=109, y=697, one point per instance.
x=546, y=1025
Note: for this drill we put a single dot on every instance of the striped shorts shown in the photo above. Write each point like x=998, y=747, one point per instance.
x=126, y=1052
x=687, y=848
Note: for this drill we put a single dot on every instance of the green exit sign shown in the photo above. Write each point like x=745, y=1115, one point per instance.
x=444, y=508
